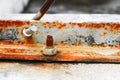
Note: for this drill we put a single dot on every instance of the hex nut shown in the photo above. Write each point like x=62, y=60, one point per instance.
x=49, y=51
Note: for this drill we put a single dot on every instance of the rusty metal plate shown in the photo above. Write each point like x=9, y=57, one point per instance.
x=86, y=38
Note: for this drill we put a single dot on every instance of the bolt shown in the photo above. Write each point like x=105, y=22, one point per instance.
x=49, y=49
x=29, y=31
x=49, y=42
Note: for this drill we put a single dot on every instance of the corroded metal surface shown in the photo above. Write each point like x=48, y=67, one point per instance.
x=88, y=41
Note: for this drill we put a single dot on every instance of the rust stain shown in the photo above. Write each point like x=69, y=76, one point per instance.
x=27, y=40
x=62, y=26
x=11, y=23
x=8, y=50
x=50, y=66
x=68, y=54
x=94, y=25
x=115, y=28
x=46, y=24
x=117, y=46
x=59, y=24
x=56, y=24
x=73, y=24
x=20, y=56
x=112, y=27
x=103, y=34
x=81, y=24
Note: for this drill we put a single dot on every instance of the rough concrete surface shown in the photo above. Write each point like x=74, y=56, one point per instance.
x=58, y=71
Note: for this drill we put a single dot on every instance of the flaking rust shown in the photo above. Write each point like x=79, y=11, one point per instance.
x=74, y=41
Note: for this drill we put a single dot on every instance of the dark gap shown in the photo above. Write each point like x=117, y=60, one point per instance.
x=54, y=62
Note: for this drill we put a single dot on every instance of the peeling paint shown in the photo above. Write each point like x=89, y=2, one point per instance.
x=85, y=41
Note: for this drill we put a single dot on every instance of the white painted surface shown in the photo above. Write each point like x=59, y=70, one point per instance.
x=66, y=17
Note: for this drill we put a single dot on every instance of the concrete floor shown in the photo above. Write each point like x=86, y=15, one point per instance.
x=58, y=71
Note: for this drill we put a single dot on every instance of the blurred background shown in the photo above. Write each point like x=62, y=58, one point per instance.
x=61, y=6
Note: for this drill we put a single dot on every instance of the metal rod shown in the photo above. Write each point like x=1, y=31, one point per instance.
x=43, y=10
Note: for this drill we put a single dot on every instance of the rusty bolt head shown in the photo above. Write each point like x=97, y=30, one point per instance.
x=49, y=42
x=49, y=49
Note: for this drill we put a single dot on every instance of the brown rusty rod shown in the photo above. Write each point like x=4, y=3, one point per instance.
x=49, y=41
x=44, y=9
